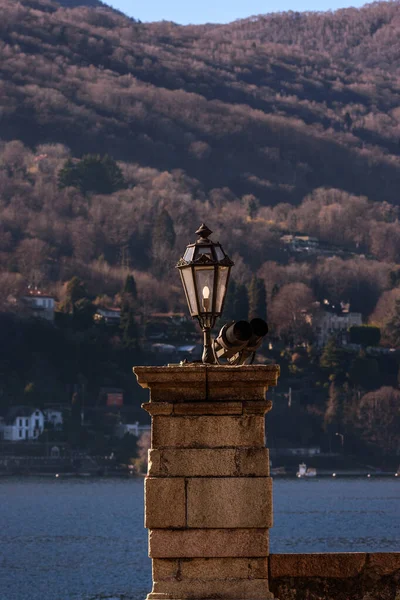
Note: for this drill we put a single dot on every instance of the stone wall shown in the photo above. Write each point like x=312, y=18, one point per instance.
x=347, y=576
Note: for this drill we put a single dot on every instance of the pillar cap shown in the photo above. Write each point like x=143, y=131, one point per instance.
x=204, y=383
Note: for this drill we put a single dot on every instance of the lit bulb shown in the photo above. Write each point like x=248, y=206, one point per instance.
x=206, y=298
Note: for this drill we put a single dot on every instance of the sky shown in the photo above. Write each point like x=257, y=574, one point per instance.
x=219, y=11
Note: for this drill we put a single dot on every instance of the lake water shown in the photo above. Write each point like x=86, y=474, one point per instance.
x=75, y=539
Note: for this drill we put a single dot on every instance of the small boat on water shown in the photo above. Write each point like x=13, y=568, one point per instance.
x=278, y=471
x=304, y=472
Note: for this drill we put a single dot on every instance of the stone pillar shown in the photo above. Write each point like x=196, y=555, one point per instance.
x=208, y=494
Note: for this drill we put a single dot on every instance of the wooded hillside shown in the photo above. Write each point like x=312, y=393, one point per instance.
x=274, y=124
x=273, y=106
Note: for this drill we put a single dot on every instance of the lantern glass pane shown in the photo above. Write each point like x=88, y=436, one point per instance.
x=223, y=273
x=188, y=284
x=218, y=251
x=205, y=288
x=188, y=256
x=200, y=250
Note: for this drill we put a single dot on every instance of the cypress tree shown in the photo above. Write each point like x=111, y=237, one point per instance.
x=257, y=299
x=129, y=328
x=164, y=232
x=128, y=323
x=130, y=288
x=241, y=303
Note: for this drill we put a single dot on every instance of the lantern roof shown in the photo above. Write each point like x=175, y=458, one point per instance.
x=204, y=251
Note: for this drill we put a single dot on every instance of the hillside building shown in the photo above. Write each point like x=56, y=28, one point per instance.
x=39, y=304
x=326, y=324
x=22, y=423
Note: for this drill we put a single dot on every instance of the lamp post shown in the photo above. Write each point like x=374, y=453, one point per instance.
x=204, y=270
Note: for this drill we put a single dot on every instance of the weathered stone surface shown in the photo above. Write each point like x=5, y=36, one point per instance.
x=210, y=568
x=190, y=462
x=208, y=543
x=208, y=408
x=374, y=576
x=229, y=502
x=165, y=502
x=253, y=461
x=206, y=383
x=208, y=432
x=224, y=568
x=206, y=462
x=384, y=563
x=257, y=408
x=158, y=408
x=249, y=589
x=346, y=564
x=165, y=568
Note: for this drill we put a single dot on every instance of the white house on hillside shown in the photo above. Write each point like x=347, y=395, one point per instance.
x=326, y=324
x=40, y=304
x=23, y=423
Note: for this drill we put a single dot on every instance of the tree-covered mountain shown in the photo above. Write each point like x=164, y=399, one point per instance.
x=274, y=106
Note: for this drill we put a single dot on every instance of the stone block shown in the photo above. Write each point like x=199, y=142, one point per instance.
x=384, y=563
x=208, y=432
x=228, y=502
x=165, y=568
x=209, y=543
x=165, y=502
x=253, y=462
x=245, y=589
x=223, y=568
x=335, y=565
x=210, y=568
x=198, y=462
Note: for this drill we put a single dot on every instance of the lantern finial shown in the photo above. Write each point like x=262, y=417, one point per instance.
x=203, y=231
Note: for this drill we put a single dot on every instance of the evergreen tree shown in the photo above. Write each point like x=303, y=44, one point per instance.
x=129, y=328
x=365, y=335
x=93, y=173
x=75, y=291
x=257, y=299
x=332, y=359
x=128, y=323
x=163, y=231
x=68, y=175
x=241, y=303
x=130, y=288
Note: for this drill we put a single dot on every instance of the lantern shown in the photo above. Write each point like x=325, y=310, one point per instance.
x=205, y=270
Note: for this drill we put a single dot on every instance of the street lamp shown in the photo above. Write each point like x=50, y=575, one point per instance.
x=204, y=270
